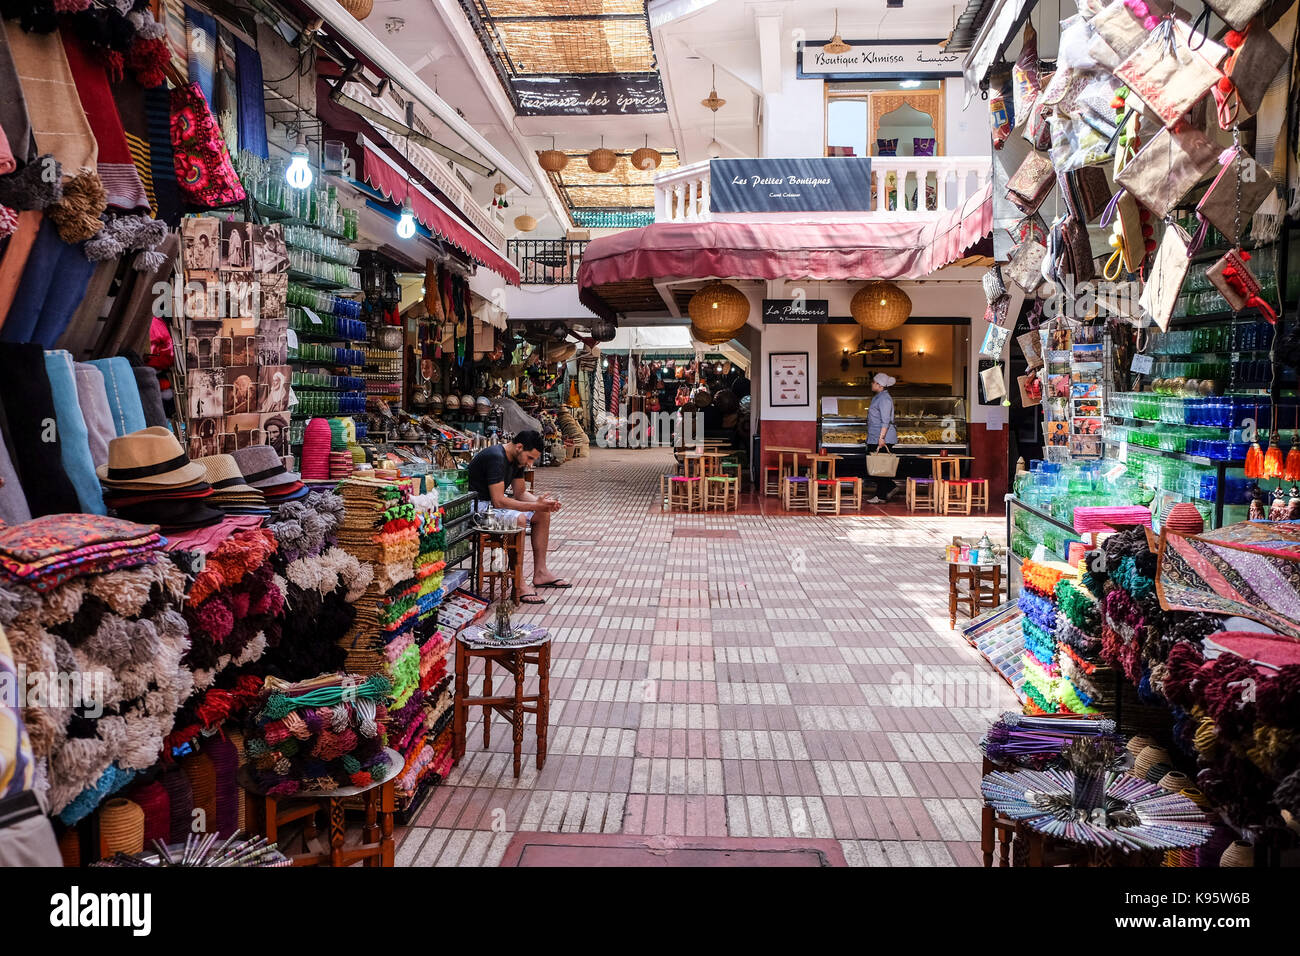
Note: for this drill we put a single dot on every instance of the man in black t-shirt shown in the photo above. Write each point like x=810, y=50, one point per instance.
x=498, y=466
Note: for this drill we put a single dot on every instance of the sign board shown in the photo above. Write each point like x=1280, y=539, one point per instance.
x=878, y=60
x=592, y=94
x=796, y=311
x=814, y=184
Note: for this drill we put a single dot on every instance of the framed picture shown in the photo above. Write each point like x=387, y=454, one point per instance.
x=788, y=377
x=882, y=359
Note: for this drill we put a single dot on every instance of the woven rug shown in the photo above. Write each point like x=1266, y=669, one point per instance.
x=1250, y=570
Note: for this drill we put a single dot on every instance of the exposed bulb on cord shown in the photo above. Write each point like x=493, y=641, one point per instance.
x=406, y=224
x=298, y=175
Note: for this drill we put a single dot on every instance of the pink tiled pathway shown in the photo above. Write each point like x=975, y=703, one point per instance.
x=777, y=676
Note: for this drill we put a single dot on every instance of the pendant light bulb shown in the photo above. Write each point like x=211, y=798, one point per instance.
x=406, y=224
x=298, y=175
x=715, y=149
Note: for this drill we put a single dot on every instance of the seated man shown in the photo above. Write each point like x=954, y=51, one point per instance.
x=497, y=466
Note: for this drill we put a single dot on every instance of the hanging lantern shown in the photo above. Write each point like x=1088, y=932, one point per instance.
x=717, y=308
x=720, y=337
x=552, y=160
x=603, y=330
x=1273, y=466
x=646, y=158
x=837, y=44
x=500, y=189
x=713, y=101
x=358, y=8
x=880, y=306
x=525, y=223
x=602, y=160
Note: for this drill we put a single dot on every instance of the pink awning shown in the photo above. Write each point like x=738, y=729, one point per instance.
x=379, y=173
x=781, y=250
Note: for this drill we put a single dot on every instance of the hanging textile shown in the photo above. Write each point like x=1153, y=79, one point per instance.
x=201, y=52
x=114, y=163
x=58, y=122
x=162, y=160
x=173, y=18
x=226, y=106
x=15, y=124
x=252, y=100
x=633, y=374
x=614, y=385
x=598, y=397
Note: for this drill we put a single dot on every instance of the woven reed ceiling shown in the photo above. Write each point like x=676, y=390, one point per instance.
x=575, y=37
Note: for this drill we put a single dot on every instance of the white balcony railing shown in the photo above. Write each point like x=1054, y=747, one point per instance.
x=916, y=188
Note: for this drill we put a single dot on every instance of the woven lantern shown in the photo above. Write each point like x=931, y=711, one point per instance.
x=647, y=158
x=500, y=189
x=718, y=308
x=602, y=160
x=603, y=330
x=880, y=306
x=720, y=337
x=358, y=8
x=837, y=44
x=525, y=223
x=552, y=160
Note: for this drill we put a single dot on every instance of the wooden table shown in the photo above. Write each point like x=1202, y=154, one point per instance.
x=974, y=575
x=937, y=463
x=782, y=451
x=377, y=847
x=829, y=460
x=513, y=657
x=707, y=462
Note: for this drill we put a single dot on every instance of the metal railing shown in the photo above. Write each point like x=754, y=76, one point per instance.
x=546, y=261
x=928, y=186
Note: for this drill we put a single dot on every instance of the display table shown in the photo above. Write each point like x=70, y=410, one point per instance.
x=937, y=464
x=377, y=848
x=533, y=647
x=984, y=586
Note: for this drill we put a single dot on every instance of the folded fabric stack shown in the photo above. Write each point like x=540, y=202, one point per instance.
x=263, y=469
x=426, y=740
x=340, y=464
x=230, y=492
x=149, y=479
x=1086, y=684
x=379, y=528
x=45, y=552
x=431, y=562
x=319, y=735
x=1038, y=621
x=235, y=612
x=106, y=649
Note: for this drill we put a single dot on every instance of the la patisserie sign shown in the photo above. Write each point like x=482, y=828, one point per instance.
x=875, y=59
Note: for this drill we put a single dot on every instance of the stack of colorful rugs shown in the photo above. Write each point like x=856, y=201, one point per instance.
x=1038, y=610
x=1086, y=685
x=101, y=645
x=431, y=562
x=319, y=735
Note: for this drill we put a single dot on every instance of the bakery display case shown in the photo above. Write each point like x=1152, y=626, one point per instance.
x=925, y=425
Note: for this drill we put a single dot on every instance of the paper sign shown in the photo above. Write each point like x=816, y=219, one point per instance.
x=293, y=399
x=830, y=406
x=1142, y=364
x=995, y=418
x=315, y=319
x=292, y=340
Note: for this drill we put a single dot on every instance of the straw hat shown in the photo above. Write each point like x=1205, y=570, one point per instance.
x=262, y=468
x=151, y=456
x=224, y=476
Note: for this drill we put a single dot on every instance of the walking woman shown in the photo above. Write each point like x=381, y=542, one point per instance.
x=881, y=435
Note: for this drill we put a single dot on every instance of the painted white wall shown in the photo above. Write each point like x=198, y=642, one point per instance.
x=539, y=301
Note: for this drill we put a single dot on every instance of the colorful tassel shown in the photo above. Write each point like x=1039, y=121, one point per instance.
x=1255, y=461
x=1273, y=465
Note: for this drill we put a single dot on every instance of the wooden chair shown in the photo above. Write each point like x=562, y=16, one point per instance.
x=979, y=494
x=771, y=480
x=721, y=492
x=684, y=494
x=854, y=494
x=825, y=496
x=921, y=494
x=954, y=496
x=794, y=492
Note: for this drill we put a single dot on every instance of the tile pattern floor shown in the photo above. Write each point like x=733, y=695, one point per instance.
x=750, y=675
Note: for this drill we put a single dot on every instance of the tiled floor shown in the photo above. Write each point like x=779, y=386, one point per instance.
x=751, y=675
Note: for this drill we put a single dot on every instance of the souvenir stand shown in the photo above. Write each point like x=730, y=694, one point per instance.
x=1145, y=302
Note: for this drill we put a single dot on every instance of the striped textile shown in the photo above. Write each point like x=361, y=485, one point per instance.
x=162, y=162
x=143, y=166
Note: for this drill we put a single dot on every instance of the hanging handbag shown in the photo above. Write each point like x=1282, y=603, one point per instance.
x=1237, y=13
x=1125, y=238
x=1234, y=280
x=1167, y=167
x=1031, y=182
x=1165, y=281
x=1240, y=188
x=1026, y=266
x=1168, y=75
x=994, y=287
x=1093, y=192
x=1257, y=58
x=203, y=170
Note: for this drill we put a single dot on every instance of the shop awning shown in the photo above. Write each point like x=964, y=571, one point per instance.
x=771, y=250
x=381, y=173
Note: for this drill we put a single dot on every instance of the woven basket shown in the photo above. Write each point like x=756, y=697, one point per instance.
x=525, y=223
x=552, y=160
x=1240, y=853
x=717, y=308
x=500, y=189
x=358, y=8
x=647, y=158
x=880, y=306
x=602, y=160
x=705, y=337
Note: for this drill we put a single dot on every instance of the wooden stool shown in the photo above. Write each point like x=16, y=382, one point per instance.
x=683, y=492
x=954, y=496
x=794, y=492
x=732, y=469
x=512, y=543
x=266, y=813
x=921, y=494
x=513, y=706
x=826, y=496
x=854, y=494
x=983, y=588
x=939, y=464
x=979, y=493
x=771, y=480
x=721, y=492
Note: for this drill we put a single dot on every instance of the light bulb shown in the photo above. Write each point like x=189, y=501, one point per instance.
x=715, y=149
x=298, y=175
x=406, y=224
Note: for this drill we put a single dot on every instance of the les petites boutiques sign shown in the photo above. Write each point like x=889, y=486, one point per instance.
x=878, y=59
x=798, y=311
